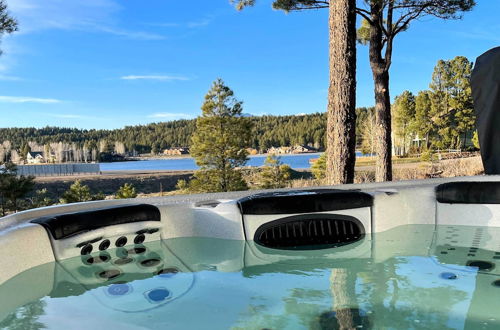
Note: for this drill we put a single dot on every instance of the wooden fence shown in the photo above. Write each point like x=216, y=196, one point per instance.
x=58, y=169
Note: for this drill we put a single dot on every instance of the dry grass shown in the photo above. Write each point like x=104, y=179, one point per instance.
x=364, y=176
x=368, y=161
x=423, y=170
x=461, y=167
x=443, y=169
x=304, y=183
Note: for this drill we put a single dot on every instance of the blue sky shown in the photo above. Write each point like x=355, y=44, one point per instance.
x=111, y=63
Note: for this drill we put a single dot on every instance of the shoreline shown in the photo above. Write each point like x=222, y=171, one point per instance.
x=114, y=174
x=143, y=158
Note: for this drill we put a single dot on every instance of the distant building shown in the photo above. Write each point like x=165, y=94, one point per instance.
x=279, y=150
x=176, y=151
x=303, y=149
x=298, y=149
x=252, y=151
x=35, y=157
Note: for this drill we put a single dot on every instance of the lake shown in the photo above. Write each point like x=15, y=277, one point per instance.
x=300, y=161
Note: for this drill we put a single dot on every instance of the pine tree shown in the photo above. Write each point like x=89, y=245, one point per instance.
x=77, y=192
x=441, y=117
x=274, y=174
x=220, y=141
x=13, y=187
x=368, y=133
x=24, y=151
x=404, y=117
x=41, y=199
x=461, y=99
x=422, y=123
x=126, y=191
x=451, y=102
x=318, y=168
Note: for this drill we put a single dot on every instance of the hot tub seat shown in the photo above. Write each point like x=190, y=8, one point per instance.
x=469, y=193
x=304, y=201
x=468, y=203
x=84, y=232
x=66, y=225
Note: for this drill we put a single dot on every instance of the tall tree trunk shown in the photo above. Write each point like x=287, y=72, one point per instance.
x=380, y=69
x=344, y=301
x=341, y=124
x=383, y=168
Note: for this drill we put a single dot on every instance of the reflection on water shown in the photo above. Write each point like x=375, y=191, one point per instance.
x=412, y=277
x=25, y=317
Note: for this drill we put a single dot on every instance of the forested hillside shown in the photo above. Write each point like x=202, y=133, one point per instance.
x=268, y=131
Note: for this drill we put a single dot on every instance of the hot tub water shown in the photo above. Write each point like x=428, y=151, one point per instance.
x=410, y=277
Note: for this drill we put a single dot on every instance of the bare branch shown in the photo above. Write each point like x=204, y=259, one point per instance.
x=405, y=20
x=365, y=14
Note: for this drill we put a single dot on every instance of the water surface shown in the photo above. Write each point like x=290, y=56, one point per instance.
x=411, y=277
x=300, y=161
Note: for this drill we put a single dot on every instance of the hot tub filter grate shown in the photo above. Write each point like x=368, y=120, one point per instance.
x=309, y=231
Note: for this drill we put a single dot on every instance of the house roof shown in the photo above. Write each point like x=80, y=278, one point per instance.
x=35, y=153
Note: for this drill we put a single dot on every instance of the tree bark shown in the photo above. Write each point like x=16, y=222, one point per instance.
x=383, y=168
x=380, y=70
x=341, y=124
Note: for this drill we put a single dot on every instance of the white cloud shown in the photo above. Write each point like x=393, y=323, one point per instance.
x=191, y=24
x=9, y=78
x=200, y=23
x=24, y=99
x=61, y=14
x=170, y=115
x=81, y=15
x=154, y=77
x=130, y=34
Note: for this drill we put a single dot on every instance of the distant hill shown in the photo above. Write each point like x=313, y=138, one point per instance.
x=269, y=131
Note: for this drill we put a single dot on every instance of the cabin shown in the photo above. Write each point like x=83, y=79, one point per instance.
x=252, y=151
x=298, y=149
x=279, y=150
x=35, y=157
x=176, y=151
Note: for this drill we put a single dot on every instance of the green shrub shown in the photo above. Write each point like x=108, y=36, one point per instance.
x=318, y=168
x=428, y=156
x=182, y=185
x=126, y=191
x=41, y=199
x=79, y=192
x=475, y=140
x=274, y=174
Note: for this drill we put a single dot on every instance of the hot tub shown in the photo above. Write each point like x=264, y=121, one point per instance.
x=420, y=255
